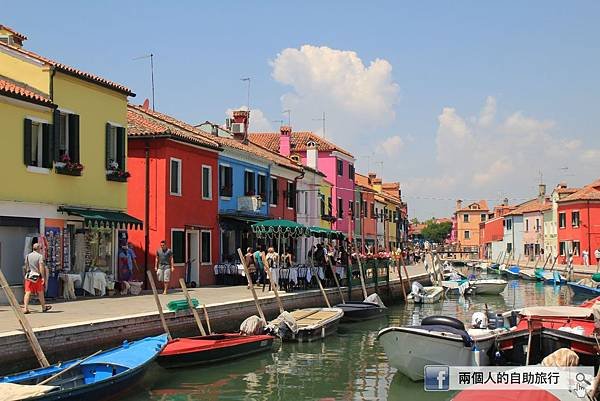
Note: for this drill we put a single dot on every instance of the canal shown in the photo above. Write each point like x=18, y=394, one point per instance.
x=349, y=366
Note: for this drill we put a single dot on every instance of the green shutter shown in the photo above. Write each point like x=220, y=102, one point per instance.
x=74, y=137
x=121, y=147
x=107, y=147
x=47, y=146
x=27, y=142
x=56, y=135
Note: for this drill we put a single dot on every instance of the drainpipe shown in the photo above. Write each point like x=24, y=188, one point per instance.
x=589, y=247
x=146, y=211
x=52, y=73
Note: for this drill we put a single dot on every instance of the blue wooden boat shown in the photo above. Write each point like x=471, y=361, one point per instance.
x=553, y=278
x=513, y=271
x=583, y=290
x=97, y=377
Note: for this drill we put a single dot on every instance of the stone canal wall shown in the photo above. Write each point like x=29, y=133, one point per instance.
x=68, y=341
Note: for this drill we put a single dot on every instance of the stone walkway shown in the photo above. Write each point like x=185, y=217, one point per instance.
x=94, y=308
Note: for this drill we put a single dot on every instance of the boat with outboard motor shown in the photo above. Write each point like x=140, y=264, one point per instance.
x=424, y=295
x=357, y=311
x=438, y=340
x=487, y=286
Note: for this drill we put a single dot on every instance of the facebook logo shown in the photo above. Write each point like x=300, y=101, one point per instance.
x=437, y=378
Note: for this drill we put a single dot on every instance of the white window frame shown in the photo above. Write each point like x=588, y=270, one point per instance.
x=40, y=145
x=66, y=128
x=259, y=173
x=578, y=219
x=219, y=181
x=274, y=188
x=184, y=246
x=467, y=234
x=209, y=247
x=209, y=168
x=287, y=187
x=178, y=161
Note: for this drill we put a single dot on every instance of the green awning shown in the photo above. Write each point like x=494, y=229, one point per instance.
x=321, y=232
x=103, y=218
x=279, y=228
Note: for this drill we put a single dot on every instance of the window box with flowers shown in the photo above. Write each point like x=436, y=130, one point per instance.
x=68, y=167
x=115, y=173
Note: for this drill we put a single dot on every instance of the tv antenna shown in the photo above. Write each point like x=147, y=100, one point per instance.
x=279, y=121
x=289, y=113
x=247, y=79
x=322, y=119
x=151, y=57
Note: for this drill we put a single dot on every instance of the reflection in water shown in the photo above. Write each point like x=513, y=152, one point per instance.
x=349, y=366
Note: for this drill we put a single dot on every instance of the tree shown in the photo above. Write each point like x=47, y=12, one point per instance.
x=414, y=220
x=436, y=232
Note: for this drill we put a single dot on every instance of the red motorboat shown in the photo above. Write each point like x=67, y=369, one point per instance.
x=551, y=328
x=202, y=350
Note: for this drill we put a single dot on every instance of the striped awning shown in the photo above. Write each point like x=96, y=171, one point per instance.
x=103, y=218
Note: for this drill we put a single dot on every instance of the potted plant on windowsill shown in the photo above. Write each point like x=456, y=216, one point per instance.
x=114, y=173
x=68, y=167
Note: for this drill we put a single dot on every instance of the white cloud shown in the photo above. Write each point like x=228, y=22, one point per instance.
x=357, y=98
x=258, y=120
x=488, y=112
x=391, y=146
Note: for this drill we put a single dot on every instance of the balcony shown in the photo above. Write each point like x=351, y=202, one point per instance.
x=249, y=203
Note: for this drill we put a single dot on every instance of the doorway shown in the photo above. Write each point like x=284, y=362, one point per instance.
x=193, y=258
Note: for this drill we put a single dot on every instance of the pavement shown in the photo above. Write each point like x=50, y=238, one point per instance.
x=87, y=309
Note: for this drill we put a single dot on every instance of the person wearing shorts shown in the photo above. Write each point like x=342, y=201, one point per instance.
x=35, y=274
x=164, y=265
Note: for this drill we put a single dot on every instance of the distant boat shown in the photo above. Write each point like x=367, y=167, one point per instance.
x=107, y=373
x=203, y=350
x=488, y=286
x=583, y=290
x=553, y=277
x=306, y=325
x=357, y=311
x=528, y=274
x=424, y=295
x=493, y=268
x=512, y=271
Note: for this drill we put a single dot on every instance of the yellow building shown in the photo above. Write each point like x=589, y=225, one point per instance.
x=64, y=154
x=325, y=204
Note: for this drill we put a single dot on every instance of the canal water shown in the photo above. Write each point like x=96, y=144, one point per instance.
x=349, y=366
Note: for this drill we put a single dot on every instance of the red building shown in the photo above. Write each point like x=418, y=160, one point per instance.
x=491, y=231
x=579, y=223
x=173, y=189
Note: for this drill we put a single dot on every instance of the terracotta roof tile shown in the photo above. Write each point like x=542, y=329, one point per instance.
x=140, y=123
x=589, y=192
x=298, y=141
x=22, y=91
x=249, y=147
x=72, y=71
x=530, y=206
x=17, y=34
x=483, y=206
x=362, y=180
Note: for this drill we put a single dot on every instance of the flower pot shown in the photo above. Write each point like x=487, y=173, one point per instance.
x=66, y=171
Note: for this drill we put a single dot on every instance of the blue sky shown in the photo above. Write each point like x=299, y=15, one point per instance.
x=468, y=99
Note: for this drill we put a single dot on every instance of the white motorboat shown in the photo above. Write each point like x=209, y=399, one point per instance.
x=424, y=295
x=439, y=340
x=488, y=286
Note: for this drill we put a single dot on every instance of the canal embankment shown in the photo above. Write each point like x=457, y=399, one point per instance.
x=83, y=326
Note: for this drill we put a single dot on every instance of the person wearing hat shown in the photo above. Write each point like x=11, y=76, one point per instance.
x=35, y=278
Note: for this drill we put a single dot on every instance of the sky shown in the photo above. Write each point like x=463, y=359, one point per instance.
x=455, y=100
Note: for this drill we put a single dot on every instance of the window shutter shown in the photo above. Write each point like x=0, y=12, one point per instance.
x=47, y=146
x=74, y=137
x=121, y=147
x=27, y=142
x=107, y=147
x=56, y=135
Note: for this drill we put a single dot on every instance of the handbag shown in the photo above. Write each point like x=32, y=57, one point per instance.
x=31, y=275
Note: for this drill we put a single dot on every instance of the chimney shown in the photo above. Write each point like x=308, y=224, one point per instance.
x=241, y=117
x=542, y=193
x=458, y=204
x=312, y=155
x=372, y=177
x=285, y=133
x=505, y=202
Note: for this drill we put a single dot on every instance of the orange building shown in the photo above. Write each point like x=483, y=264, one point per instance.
x=468, y=219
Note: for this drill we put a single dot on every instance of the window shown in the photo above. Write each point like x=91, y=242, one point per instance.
x=175, y=176
x=526, y=225
x=562, y=219
x=537, y=225
x=509, y=247
x=206, y=182
x=373, y=211
x=322, y=204
x=178, y=246
x=205, y=244
x=329, y=206
x=465, y=218
x=274, y=200
x=575, y=219
x=67, y=127
x=115, y=147
x=262, y=186
x=351, y=208
x=37, y=144
x=509, y=224
x=482, y=216
x=340, y=208
x=576, y=248
x=467, y=234
x=291, y=195
x=340, y=167
x=225, y=181
x=351, y=171
x=562, y=248
x=249, y=188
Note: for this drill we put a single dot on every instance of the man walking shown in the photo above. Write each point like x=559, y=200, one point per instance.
x=164, y=265
x=35, y=274
x=260, y=267
x=597, y=255
x=586, y=257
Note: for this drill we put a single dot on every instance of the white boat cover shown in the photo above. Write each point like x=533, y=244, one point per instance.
x=253, y=325
x=556, y=311
x=286, y=319
x=16, y=392
x=374, y=299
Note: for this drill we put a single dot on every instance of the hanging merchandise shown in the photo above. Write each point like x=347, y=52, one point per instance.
x=53, y=250
x=66, y=259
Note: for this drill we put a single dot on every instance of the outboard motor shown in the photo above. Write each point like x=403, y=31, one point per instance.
x=417, y=291
x=479, y=320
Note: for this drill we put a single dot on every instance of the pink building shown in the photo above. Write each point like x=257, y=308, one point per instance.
x=336, y=163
